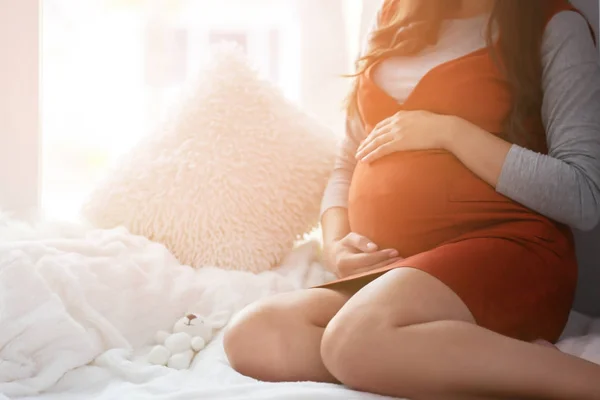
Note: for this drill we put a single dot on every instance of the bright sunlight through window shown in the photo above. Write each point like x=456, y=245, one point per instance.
x=111, y=68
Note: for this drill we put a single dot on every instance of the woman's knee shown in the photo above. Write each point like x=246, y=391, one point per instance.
x=254, y=342
x=346, y=343
x=378, y=311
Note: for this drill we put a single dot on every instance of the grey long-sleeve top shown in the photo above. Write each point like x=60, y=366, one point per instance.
x=563, y=185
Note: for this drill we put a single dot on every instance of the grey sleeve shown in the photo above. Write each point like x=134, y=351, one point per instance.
x=565, y=184
x=336, y=192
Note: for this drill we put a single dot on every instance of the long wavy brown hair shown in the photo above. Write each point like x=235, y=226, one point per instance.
x=412, y=25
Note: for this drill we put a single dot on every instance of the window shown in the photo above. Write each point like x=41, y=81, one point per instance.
x=112, y=67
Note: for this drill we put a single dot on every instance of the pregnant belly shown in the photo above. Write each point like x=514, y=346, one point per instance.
x=415, y=201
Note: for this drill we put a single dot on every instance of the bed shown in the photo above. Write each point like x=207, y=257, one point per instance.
x=80, y=308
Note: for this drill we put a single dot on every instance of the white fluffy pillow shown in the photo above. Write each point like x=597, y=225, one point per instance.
x=232, y=180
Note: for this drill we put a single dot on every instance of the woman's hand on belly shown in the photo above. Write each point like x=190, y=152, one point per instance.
x=482, y=152
x=355, y=254
x=406, y=131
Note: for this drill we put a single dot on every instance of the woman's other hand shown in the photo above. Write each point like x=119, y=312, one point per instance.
x=407, y=131
x=356, y=254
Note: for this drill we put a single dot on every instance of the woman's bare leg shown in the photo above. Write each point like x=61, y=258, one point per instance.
x=279, y=339
x=408, y=335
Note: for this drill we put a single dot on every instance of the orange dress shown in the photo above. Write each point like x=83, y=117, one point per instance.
x=514, y=268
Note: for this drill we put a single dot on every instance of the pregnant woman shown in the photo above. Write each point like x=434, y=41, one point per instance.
x=472, y=148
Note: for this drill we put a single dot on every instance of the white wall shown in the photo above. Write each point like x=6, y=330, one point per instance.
x=324, y=59
x=370, y=8
x=19, y=110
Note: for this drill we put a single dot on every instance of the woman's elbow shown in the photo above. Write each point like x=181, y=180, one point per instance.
x=588, y=217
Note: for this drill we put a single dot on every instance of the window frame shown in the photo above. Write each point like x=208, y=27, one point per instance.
x=20, y=135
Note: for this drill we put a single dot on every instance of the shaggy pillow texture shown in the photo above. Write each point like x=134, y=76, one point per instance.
x=232, y=179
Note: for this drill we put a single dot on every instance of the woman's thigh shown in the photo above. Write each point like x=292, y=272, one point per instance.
x=316, y=305
x=279, y=338
x=401, y=297
x=368, y=329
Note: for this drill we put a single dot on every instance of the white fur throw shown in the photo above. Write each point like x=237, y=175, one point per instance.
x=232, y=180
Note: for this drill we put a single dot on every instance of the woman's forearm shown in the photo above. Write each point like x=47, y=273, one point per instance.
x=334, y=225
x=482, y=152
x=334, y=216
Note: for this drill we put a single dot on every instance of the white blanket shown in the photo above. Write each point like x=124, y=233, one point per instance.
x=79, y=308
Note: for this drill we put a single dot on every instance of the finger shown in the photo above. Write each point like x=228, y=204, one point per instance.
x=362, y=260
x=374, y=144
x=379, y=129
x=381, y=151
x=360, y=243
x=386, y=263
x=390, y=124
x=374, y=134
x=382, y=264
x=387, y=121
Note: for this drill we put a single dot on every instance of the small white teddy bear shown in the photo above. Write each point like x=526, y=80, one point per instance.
x=191, y=334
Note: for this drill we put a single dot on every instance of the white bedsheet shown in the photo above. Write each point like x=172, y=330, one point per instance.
x=79, y=308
